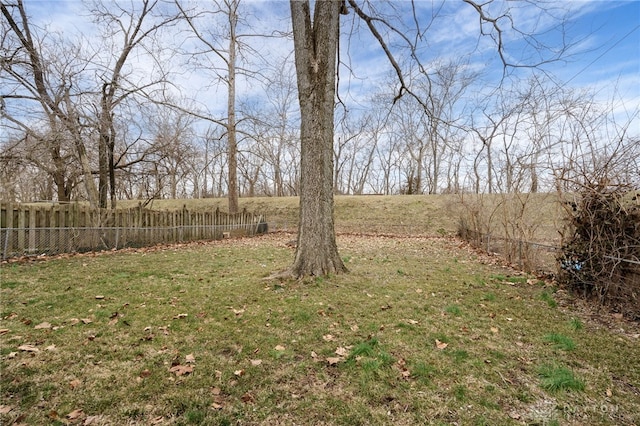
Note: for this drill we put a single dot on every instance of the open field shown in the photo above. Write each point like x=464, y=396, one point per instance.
x=406, y=213
x=415, y=214
x=422, y=330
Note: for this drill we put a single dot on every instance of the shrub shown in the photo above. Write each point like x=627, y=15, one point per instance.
x=601, y=246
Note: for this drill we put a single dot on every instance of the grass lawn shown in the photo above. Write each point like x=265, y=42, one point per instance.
x=423, y=330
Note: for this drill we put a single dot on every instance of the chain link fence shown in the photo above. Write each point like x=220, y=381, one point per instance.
x=530, y=256
x=48, y=241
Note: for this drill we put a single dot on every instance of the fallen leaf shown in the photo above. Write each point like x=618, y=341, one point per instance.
x=238, y=373
x=50, y=348
x=333, y=360
x=609, y=392
x=280, y=348
x=314, y=355
x=4, y=409
x=86, y=320
x=157, y=420
x=256, y=362
x=216, y=406
x=28, y=348
x=355, y=327
x=247, y=398
x=43, y=326
x=441, y=345
x=4, y=331
x=190, y=359
x=99, y=297
x=75, y=414
x=494, y=329
x=413, y=322
x=12, y=355
x=341, y=351
x=181, y=316
x=617, y=316
x=145, y=373
x=181, y=370
x=238, y=312
x=328, y=337
x=113, y=321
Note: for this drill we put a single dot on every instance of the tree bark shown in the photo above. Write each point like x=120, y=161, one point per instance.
x=315, y=46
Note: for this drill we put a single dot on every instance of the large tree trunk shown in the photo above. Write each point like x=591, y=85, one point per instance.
x=315, y=45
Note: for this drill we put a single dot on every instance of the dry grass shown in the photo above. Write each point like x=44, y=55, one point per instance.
x=415, y=214
x=423, y=330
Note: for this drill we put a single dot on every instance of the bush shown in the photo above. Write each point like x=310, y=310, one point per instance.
x=601, y=247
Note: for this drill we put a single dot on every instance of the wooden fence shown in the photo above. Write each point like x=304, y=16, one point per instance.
x=48, y=229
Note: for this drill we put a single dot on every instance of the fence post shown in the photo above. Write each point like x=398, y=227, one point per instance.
x=520, y=261
x=8, y=224
x=32, y=229
x=5, y=253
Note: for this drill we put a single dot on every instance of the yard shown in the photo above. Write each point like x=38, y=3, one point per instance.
x=422, y=330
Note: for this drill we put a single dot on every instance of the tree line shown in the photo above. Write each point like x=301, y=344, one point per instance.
x=87, y=121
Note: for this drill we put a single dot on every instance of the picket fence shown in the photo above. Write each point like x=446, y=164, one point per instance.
x=34, y=229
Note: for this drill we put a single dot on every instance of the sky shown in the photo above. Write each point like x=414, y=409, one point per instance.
x=604, y=38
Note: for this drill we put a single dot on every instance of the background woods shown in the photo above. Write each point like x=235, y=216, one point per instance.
x=107, y=110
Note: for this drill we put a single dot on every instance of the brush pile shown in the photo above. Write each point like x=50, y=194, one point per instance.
x=600, y=256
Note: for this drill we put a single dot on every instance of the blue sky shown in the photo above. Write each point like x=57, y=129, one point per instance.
x=605, y=57
x=612, y=49
x=604, y=37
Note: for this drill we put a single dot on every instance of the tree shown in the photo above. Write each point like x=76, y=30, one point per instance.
x=45, y=81
x=315, y=48
x=208, y=36
x=272, y=127
x=315, y=42
x=134, y=28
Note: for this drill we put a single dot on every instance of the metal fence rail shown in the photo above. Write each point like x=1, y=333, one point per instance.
x=527, y=255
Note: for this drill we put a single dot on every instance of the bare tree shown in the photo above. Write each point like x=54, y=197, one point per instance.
x=134, y=27
x=272, y=126
x=315, y=46
x=35, y=81
x=203, y=25
x=316, y=43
